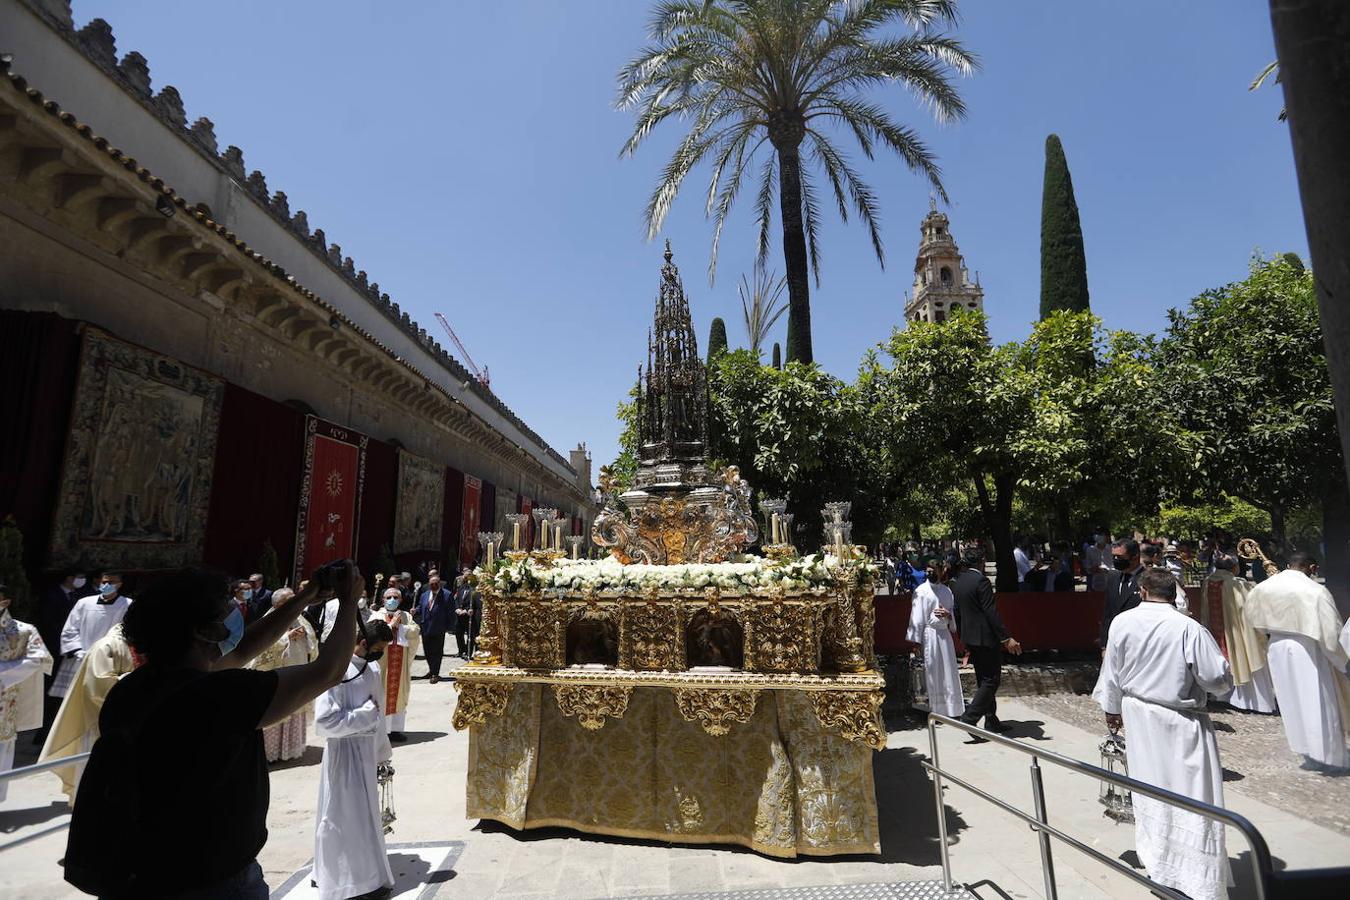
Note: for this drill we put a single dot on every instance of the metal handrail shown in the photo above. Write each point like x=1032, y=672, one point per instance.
x=34, y=769
x=1260, y=858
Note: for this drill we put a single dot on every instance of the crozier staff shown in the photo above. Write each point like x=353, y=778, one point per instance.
x=189, y=723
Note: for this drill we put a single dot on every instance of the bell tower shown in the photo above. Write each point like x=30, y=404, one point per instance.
x=941, y=281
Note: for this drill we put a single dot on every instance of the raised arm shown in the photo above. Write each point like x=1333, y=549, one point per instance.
x=264, y=634
x=298, y=685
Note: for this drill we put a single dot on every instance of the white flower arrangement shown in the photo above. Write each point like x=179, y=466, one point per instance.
x=809, y=574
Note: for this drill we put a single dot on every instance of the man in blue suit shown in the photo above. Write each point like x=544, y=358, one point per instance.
x=435, y=612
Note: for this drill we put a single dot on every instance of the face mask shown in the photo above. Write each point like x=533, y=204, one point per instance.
x=373, y=656
x=391, y=604
x=107, y=589
x=1122, y=563
x=248, y=593
x=79, y=582
x=234, y=624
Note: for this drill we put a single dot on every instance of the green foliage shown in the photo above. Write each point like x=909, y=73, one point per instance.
x=762, y=304
x=624, y=467
x=269, y=566
x=777, y=356
x=1246, y=370
x=786, y=79
x=1229, y=513
x=1063, y=261
x=12, y=573
x=717, y=339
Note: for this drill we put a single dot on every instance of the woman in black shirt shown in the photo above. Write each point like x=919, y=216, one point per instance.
x=174, y=799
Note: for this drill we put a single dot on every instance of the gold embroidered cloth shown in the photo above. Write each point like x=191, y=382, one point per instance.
x=780, y=783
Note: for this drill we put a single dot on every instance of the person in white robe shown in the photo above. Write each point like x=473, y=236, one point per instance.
x=1222, y=598
x=1307, y=662
x=931, y=626
x=349, y=852
x=75, y=728
x=90, y=619
x=286, y=739
x=23, y=661
x=1157, y=671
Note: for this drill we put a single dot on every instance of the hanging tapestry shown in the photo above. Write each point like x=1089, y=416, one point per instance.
x=330, y=495
x=136, y=485
x=468, y=532
x=421, y=495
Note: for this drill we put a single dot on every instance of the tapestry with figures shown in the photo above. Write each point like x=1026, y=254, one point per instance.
x=332, y=482
x=136, y=485
x=421, y=496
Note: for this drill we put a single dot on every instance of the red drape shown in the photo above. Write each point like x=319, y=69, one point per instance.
x=255, y=488
x=471, y=509
x=1061, y=620
x=39, y=361
x=451, y=526
x=377, y=504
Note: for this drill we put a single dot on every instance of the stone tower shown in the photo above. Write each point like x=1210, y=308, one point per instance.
x=941, y=282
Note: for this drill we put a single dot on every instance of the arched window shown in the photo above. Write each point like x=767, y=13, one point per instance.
x=946, y=275
x=939, y=316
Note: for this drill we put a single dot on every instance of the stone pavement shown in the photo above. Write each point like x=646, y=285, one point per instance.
x=992, y=853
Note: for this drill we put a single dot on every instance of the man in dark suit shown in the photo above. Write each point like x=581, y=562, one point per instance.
x=464, y=617
x=435, y=612
x=982, y=631
x=56, y=605
x=1122, y=585
x=261, y=601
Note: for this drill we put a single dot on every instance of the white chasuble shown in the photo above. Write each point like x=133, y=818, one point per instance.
x=934, y=635
x=23, y=661
x=349, y=852
x=1156, y=673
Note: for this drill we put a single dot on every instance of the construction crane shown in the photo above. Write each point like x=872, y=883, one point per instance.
x=481, y=375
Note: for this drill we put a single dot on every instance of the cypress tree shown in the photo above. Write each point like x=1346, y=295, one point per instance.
x=1063, y=263
x=777, y=356
x=717, y=339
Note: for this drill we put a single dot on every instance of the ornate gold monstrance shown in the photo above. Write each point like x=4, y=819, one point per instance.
x=678, y=690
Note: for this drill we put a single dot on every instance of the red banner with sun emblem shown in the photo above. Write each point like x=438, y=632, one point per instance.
x=330, y=495
x=468, y=526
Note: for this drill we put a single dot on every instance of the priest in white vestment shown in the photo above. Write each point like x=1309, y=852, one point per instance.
x=23, y=661
x=931, y=626
x=1157, y=671
x=1306, y=659
x=1222, y=598
x=349, y=853
x=75, y=727
x=89, y=620
x=397, y=663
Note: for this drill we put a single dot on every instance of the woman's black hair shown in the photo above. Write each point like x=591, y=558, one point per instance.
x=161, y=623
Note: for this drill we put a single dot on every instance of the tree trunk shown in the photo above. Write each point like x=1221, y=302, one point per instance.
x=794, y=255
x=1277, y=529
x=997, y=511
x=1312, y=41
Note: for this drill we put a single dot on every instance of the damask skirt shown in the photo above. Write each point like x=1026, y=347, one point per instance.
x=286, y=739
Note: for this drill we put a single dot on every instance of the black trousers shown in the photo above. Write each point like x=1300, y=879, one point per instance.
x=462, y=635
x=433, y=648
x=988, y=663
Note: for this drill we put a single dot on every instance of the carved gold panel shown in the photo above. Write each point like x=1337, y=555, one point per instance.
x=651, y=636
x=856, y=715
x=715, y=709
x=592, y=704
x=780, y=637
x=534, y=633
x=478, y=701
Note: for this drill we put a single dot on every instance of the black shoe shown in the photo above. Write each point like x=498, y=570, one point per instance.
x=397, y=737
x=435, y=679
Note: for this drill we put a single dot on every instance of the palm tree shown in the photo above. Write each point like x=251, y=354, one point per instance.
x=762, y=304
x=1272, y=70
x=789, y=73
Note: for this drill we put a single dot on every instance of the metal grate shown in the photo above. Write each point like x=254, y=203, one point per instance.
x=903, y=890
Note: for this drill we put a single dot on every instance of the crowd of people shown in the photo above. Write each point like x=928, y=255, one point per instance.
x=239, y=672
x=1274, y=646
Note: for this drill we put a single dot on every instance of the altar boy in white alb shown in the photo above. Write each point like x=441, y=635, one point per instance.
x=1158, y=668
x=349, y=854
x=931, y=626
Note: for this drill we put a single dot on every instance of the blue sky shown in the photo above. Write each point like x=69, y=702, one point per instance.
x=465, y=155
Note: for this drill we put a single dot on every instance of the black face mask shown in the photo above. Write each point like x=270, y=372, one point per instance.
x=373, y=656
x=1122, y=563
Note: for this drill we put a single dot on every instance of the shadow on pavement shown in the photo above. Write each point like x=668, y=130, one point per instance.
x=13, y=820
x=311, y=757
x=411, y=870
x=978, y=888
x=419, y=737
x=1031, y=729
x=906, y=815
